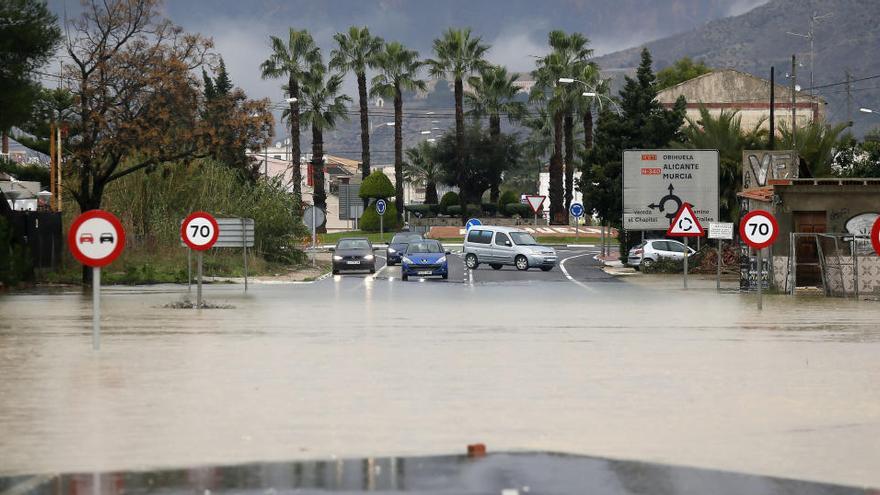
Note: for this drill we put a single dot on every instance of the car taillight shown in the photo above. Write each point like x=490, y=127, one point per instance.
x=638, y=251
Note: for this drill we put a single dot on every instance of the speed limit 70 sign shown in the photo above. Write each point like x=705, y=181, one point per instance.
x=199, y=231
x=758, y=229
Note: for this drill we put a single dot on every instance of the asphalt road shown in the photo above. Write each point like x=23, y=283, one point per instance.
x=576, y=265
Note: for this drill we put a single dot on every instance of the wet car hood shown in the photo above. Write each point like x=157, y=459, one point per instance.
x=352, y=252
x=417, y=258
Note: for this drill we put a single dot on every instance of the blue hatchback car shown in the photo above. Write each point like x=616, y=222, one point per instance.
x=425, y=258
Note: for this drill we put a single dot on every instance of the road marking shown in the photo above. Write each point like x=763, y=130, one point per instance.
x=569, y=277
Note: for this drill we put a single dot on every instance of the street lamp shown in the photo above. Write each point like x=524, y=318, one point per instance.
x=291, y=100
x=590, y=93
x=867, y=110
x=425, y=132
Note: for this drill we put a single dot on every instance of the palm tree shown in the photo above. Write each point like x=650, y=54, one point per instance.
x=457, y=55
x=589, y=74
x=552, y=96
x=324, y=106
x=292, y=60
x=421, y=169
x=493, y=95
x=725, y=133
x=399, y=71
x=815, y=145
x=573, y=55
x=354, y=53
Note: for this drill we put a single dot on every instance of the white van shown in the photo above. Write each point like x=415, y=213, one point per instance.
x=500, y=246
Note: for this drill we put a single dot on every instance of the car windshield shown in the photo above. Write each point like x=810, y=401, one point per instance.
x=523, y=239
x=353, y=244
x=424, y=247
x=404, y=238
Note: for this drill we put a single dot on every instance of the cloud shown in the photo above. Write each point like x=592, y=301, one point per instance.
x=738, y=7
x=517, y=50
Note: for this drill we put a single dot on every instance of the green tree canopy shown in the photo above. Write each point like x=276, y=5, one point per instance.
x=377, y=185
x=643, y=123
x=28, y=36
x=485, y=160
x=682, y=70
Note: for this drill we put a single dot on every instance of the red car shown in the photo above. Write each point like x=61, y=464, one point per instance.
x=84, y=238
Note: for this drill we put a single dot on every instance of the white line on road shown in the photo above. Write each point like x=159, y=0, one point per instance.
x=569, y=277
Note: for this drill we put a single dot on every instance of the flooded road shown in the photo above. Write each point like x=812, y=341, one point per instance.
x=356, y=366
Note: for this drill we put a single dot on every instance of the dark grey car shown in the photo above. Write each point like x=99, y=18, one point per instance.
x=353, y=253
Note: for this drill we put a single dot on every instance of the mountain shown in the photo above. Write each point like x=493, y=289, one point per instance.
x=848, y=39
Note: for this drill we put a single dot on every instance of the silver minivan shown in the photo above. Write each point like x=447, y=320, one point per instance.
x=500, y=246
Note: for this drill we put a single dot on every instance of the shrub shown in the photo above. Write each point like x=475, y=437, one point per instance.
x=370, y=219
x=520, y=209
x=489, y=208
x=472, y=210
x=15, y=261
x=423, y=211
x=448, y=199
x=506, y=198
x=377, y=185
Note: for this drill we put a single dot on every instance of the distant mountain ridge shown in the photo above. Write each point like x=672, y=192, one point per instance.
x=753, y=42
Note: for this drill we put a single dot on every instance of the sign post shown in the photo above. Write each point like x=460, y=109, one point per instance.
x=577, y=211
x=381, y=206
x=199, y=231
x=759, y=230
x=685, y=224
x=312, y=217
x=535, y=203
x=718, y=231
x=95, y=239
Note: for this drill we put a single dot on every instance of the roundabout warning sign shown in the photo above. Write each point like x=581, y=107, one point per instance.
x=656, y=183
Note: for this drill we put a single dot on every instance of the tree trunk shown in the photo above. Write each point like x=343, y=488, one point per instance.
x=365, y=128
x=320, y=195
x=588, y=130
x=295, y=174
x=557, y=205
x=398, y=151
x=431, y=193
x=495, y=134
x=6, y=142
x=459, y=146
x=569, y=159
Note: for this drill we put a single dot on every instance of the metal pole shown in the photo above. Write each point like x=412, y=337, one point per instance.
x=244, y=243
x=718, y=274
x=96, y=308
x=189, y=277
x=199, y=289
x=686, y=249
x=855, y=256
x=577, y=227
x=58, y=168
x=381, y=228
x=794, y=103
x=760, y=278
x=772, y=136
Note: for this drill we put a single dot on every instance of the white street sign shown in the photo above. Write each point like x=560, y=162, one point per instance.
x=535, y=202
x=685, y=224
x=758, y=229
x=720, y=230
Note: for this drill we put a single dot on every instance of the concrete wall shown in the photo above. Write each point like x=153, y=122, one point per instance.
x=733, y=90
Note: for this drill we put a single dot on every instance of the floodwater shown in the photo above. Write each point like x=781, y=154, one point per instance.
x=353, y=367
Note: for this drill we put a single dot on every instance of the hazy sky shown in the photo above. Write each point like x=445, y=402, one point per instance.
x=516, y=29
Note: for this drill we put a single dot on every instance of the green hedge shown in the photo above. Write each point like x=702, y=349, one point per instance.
x=377, y=185
x=370, y=219
x=489, y=208
x=449, y=199
x=520, y=209
x=472, y=210
x=506, y=198
x=426, y=211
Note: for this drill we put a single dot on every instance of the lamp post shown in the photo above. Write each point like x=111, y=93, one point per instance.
x=868, y=110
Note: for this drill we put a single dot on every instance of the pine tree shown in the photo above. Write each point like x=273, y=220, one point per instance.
x=222, y=83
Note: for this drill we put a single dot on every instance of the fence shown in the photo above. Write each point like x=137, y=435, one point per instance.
x=847, y=264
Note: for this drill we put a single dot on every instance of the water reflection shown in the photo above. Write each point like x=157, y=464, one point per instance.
x=538, y=473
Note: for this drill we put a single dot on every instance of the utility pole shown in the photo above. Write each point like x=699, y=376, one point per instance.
x=794, y=102
x=849, y=116
x=772, y=109
x=814, y=18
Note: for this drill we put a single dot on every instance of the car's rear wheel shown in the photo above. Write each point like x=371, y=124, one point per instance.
x=522, y=263
x=546, y=268
x=647, y=263
x=471, y=261
x=496, y=266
